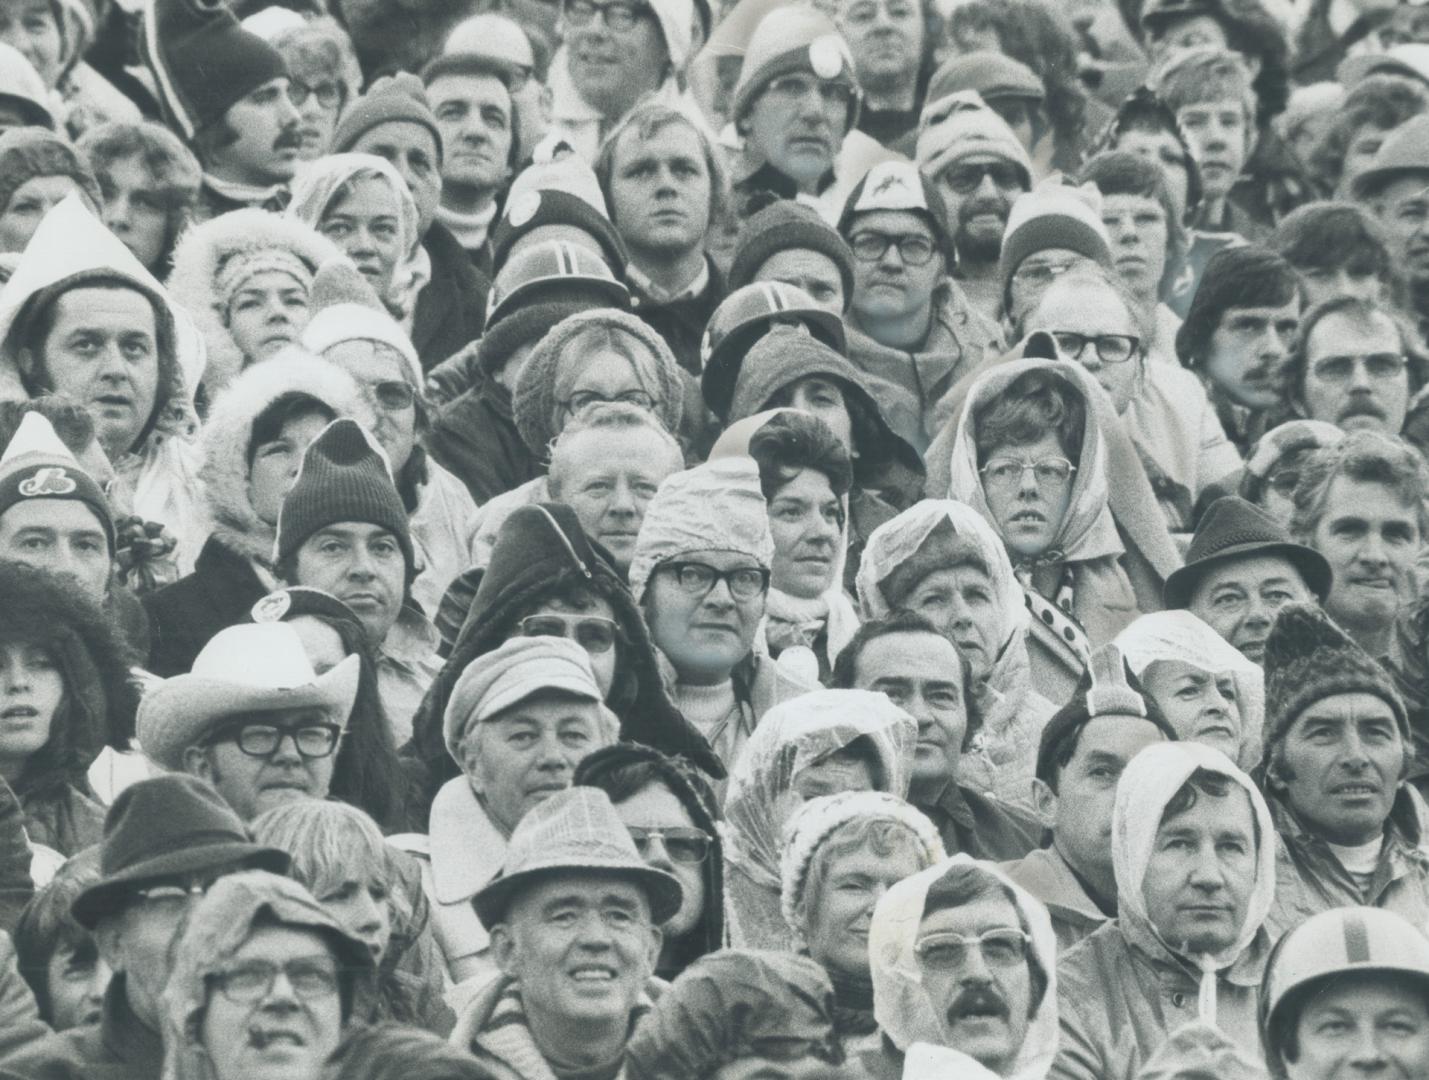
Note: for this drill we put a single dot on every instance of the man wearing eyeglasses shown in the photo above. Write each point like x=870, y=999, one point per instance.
x=252, y=718
x=166, y=840
x=909, y=323
x=961, y=960
x=1352, y=367
x=978, y=166
x=1193, y=852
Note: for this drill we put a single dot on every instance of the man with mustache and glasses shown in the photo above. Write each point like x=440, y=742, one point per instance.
x=962, y=963
x=224, y=91
x=1352, y=366
x=978, y=167
x=1337, y=745
x=1360, y=504
x=1193, y=851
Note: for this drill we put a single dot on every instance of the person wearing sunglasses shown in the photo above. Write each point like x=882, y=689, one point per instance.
x=979, y=167
x=910, y=323
x=671, y=812
x=265, y=982
x=1355, y=365
x=962, y=961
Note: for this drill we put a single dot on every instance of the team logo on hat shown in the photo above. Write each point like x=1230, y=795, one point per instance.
x=524, y=208
x=51, y=480
x=826, y=56
x=272, y=607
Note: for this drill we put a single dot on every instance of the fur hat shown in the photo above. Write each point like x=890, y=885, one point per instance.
x=1309, y=658
x=214, y=257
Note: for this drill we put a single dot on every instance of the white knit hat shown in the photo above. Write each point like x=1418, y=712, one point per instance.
x=820, y=818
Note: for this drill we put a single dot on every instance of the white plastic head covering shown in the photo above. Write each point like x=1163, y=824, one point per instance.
x=1150, y=782
x=718, y=506
x=788, y=739
x=1182, y=636
x=901, y=1005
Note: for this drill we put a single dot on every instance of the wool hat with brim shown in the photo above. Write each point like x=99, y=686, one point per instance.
x=577, y=833
x=203, y=62
x=247, y=668
x=168, y=826
x=1309, y=658
x=1404, y=153
x=1233, y=528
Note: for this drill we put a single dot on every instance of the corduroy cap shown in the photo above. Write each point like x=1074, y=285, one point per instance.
x=786, y=225
x=399, y=98
x=165, y=827
x=203, y=62
x=344, y=477
x=575, y=832
x=1309, y=658
x=37, y=465
x=1233, y=528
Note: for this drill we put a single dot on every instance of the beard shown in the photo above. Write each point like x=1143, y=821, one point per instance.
x=975, y=245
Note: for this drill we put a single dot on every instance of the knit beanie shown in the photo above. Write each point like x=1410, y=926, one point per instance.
x=898, y=185
x=785, y=225
x=399, y=98
x=530, y=322
x=560, y=192
x=820, y=818
x=1054, y=215
x=960, y=126
x=1107, y=688
x=346, y=308
x=795, y=39
x=546, y=373
x=344, y=477
x=37, y=465
x=1309, y=658
x=28, y=152
x=203, y=62
x=717, y=506
x=990, y=74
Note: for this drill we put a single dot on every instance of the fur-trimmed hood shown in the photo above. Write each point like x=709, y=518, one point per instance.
x=224, y=471
x=200, y=255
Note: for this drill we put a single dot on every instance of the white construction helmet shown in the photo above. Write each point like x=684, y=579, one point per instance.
x=1335, y=942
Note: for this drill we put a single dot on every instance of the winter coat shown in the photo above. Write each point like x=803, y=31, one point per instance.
x=907, y=1015
x=1123, y=990
x=451, y=308
x=21, y=1029
x=961, y=340
x=67, y=817
x=1001, y=755
x=1111, y=584
x=1048, y=876
x=443, y=531
x=791, y=737
x=119, y=1047
x=156, y=478
x=200, y=255
x=233, y=570
x=1309, y=878
x=475, y=437
x=980, y=825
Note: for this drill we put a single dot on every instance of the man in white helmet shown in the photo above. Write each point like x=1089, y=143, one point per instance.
x=1347, y=995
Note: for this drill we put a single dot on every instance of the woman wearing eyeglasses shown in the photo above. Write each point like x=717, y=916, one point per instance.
x=372, y=347
x=323, y=79
x=673, y=818
x=264, y=982
x=1030, y=455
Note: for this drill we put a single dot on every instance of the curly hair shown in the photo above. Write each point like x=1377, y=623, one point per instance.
x=1035, y=403
x=1367, y=457
x=792, y=441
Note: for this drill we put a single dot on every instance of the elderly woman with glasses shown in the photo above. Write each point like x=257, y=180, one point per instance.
x=263, y=983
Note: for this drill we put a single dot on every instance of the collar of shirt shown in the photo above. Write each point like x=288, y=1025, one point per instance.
x=247, y=194
x=656, y=293
x=412, y=641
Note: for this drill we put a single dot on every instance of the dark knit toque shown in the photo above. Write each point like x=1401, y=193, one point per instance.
x=343, y=478
x=781, y=226
x=399, y=98
x=203, y=61
x=1233, y=528
x=1107, y=688
x=1309, y=658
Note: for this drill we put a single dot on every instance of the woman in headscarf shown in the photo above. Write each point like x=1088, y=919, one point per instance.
x=1029, y=455
x=742, y=1009
x=942, y=560
x=1207, y=688
x=842, y=853
x=362, y=204
x=823, y=743
x=804, y=473
x=226, y=1014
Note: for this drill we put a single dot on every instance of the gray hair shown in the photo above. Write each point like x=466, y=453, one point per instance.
x=607, y=416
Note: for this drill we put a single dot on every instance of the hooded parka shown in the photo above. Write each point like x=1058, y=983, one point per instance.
x=1125, y=989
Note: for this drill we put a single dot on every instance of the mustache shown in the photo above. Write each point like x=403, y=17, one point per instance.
x=983, y=204
x=979, y=1001
x=290, y=138
x=1363, y=408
